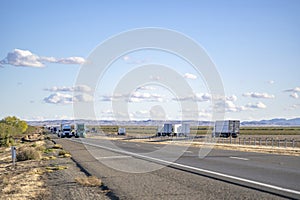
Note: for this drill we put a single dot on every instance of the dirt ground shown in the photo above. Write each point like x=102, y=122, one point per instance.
x=51, y=177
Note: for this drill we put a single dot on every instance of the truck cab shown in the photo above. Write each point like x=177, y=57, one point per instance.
x=66, y=131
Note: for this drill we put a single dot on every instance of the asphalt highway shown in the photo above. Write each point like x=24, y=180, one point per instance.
x=219, y=174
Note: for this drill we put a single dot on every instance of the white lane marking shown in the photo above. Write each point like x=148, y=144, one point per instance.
x=124, y=143
x=156, y=147
x=137, y=145
x=238, y=158
x=196, y=169
x=113, y=157
x=188, y=152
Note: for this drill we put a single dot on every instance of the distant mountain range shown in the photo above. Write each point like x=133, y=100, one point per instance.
x=271, y=122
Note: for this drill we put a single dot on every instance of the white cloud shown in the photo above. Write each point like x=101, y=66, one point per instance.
x=271, y=82
x=200, y=97
x=294, y=95
x=147, y=87
x=230, y=106
x=140, y=114
x=83, y=98
x=113, y=115
x=205, y=97
x=132, y=60
x=190, y=76
x=71, y=60
x=135, y=97
x=62, y=98
x=145, y=96
x=59, y=98
x=259, y=95
x=231, y=98
x=293, y=107
x=258, y=105
x=294, y=92
x=296, y=89
x=19, y=57
x=78, y=88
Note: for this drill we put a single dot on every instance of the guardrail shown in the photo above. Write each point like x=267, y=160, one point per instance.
x=254, y=141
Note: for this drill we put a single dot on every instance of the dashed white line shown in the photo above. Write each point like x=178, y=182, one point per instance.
x=113, y=157
x=188, y=152
x=238, y=158
x=138, y=145
x=156, y=147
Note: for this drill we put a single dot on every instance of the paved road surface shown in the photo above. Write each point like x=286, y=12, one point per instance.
x=189, y=177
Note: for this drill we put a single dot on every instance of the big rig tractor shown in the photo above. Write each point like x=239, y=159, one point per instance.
x=65, y=130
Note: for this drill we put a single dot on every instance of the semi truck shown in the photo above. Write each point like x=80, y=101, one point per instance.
x=182, y=130
x=226, y=128
x=165, y=130
x=80, y=130
x=65, y=131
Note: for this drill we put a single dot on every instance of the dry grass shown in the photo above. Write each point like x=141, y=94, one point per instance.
x=90, y=181
x=55, y=168
x=64, y=154
x=49, y=158
x=57, y=146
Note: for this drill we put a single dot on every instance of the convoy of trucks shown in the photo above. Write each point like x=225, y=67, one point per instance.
x=225, y=128
x=69, y=130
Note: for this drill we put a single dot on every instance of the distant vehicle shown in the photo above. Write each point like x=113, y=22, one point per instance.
x=226, y=128
x=122, y=131
x=165, y=130
x=65, y=131
x=80, y=130
x=182, y=130
x=53, y=129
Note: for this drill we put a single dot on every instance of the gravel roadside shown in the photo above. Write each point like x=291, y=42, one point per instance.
x=61, y=184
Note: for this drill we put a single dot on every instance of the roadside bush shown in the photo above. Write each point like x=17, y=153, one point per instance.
x=91, y=181
x=10, y=128
x=62, y=152
x=27, y=153
x=40, y=148
x=6, y=141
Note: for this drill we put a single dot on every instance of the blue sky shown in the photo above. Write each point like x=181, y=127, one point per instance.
x=255, y=46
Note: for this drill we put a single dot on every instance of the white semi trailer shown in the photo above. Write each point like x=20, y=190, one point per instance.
x=182, y=129
x=165, y=130
x=226, y=128
x=80, y=130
